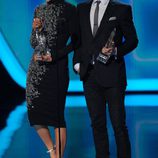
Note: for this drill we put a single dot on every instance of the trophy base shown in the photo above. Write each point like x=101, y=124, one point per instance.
x=102, y=58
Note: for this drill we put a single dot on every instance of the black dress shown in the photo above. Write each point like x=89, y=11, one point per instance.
x=47, y=83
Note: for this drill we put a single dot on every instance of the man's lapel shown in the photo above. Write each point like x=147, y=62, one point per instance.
x=89, y=30
x=105, y=19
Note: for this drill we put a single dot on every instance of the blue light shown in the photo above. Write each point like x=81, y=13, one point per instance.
x=133, y=85
x=142, y=85
x=14, y=122
x=11, y=64
x=130, y=100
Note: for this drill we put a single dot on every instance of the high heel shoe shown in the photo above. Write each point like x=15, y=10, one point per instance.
x=52, y=152
x=53, y=149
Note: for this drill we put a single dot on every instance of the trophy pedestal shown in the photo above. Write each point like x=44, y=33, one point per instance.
x=102, y=58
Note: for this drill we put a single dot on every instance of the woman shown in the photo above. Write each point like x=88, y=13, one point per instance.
x=47, y=80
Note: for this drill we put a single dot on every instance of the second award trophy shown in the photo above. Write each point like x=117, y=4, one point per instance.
x=103, y=58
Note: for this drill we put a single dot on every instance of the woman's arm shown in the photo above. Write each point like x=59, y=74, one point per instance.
x=36, y=24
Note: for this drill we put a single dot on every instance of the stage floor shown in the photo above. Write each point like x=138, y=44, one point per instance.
x=22, y=141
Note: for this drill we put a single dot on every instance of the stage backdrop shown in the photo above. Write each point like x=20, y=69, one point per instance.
x=15, y=27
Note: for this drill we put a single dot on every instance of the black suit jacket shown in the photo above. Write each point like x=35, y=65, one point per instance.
x=114, y=72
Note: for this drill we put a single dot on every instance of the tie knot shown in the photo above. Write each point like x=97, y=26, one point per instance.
x=98, y=2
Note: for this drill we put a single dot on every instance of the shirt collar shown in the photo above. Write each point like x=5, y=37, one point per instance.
x=103, y=2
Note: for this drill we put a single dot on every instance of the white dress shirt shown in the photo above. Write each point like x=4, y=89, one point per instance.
x=102, y=7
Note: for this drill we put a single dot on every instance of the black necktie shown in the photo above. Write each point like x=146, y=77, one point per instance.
x=96, y=13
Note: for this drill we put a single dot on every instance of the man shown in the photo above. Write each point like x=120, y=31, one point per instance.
x=105, y=82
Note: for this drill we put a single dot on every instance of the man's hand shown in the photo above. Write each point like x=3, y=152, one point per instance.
x=77, y=67
x=37, y=24
x=107, y=51
x=108, y=48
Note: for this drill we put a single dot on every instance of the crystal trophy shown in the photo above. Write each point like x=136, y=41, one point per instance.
x=103, y=58
x=42, y=47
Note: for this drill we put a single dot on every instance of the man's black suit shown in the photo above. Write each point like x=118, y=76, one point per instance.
x=106, y=82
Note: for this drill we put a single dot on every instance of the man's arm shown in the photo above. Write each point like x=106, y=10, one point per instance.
x=129, y=32
x=77, y=52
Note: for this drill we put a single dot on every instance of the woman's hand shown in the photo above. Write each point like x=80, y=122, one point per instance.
x=44, y=58
x=37, y=24
x=47, y=57
x=37, y=57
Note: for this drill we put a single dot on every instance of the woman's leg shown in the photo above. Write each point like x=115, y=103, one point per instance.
x=63, y=140
x=45, y=135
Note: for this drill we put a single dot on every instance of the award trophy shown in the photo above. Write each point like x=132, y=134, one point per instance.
x=41, y=48
x=103, y=58
x=41, y=40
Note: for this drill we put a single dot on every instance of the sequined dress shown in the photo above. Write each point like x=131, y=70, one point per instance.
x=47, y=83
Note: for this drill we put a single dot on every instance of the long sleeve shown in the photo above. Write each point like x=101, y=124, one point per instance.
x=74, y=34
x=33, y=40
x=77, y=52
x=127, y=27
